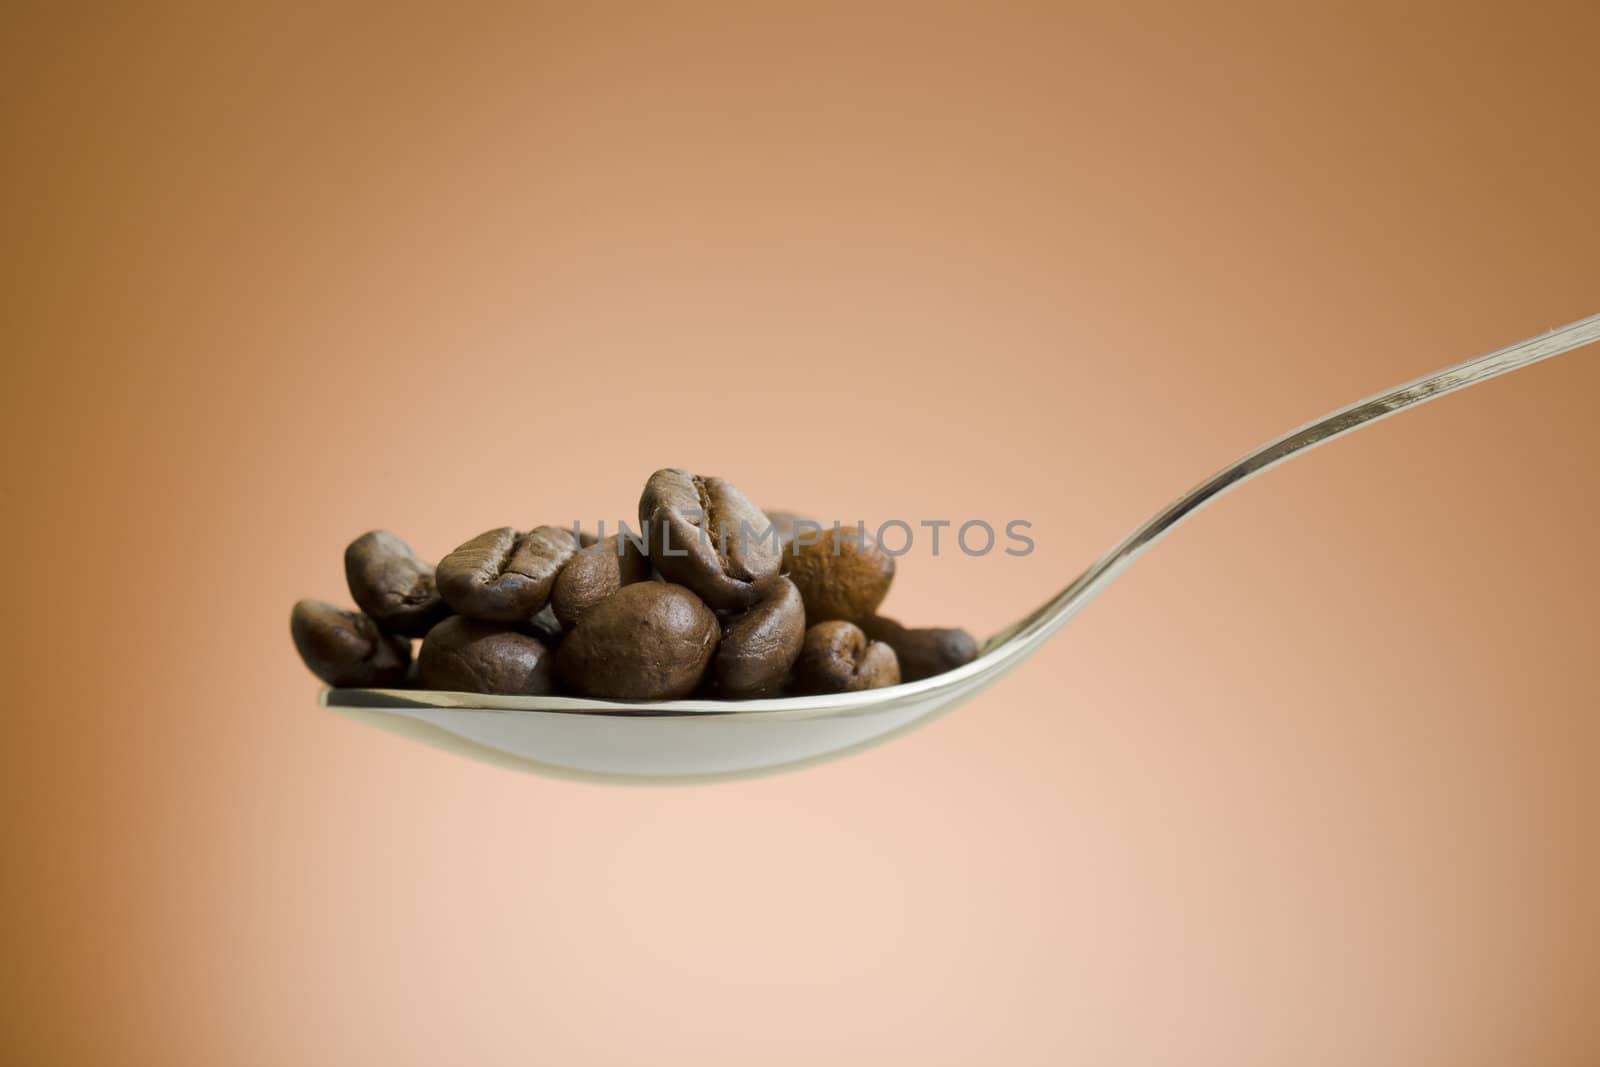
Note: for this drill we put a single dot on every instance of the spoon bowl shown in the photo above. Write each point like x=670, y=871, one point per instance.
x=702, y=740
x=670, y=741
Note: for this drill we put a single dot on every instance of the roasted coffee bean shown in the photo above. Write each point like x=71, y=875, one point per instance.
x=716, y=605
x=841, y=576
x=922, y=651
x=347, y=649
x=546, y=627
x=788, y=523
x=465, y=655
x=594, y=574
x=838, y=658
x=504, y=575
x=646, y=641
x=760, y=646
x=392, y=585
x=705, y=534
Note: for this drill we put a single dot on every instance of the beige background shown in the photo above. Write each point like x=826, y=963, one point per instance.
x=1315, y=783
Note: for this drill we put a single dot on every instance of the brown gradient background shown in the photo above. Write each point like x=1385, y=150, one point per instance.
x=1315, y=783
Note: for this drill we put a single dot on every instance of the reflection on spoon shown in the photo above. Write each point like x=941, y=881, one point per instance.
x=698, y=740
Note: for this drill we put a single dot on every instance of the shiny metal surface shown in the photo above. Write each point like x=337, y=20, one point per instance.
x=691, y=740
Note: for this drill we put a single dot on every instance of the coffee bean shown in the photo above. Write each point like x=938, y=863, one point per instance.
x=504, y=575
x=594, y=574
x=840, y=576
x=922, y=651
x=646, y=641
x=546, y=627
x=837, y=658
x=473, y=656
x=391, y=585
x=705, y=534
x=716, y=605
x=760, y=646
x=346, y=649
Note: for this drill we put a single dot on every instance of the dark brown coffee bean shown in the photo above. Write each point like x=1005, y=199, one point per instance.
x=838, y=658
x=646, y=641
x=594, y=574
x=840, y=576
x=465, y=655
x=546, y=627
x=347, y=649
x=705, y=534
x=391, y=585
x=503, y=575
x=760, y=646
x=788, y=523
x=922, y=651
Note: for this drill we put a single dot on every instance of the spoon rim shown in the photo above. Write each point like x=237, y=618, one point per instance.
x=815, y=705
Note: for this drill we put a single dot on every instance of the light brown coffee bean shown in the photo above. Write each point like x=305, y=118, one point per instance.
x=840, y=576
x=837, y=657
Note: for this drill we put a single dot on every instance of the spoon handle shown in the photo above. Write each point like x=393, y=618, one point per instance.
x=1049, y=618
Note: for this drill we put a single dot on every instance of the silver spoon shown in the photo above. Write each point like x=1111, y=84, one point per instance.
x=698, y=740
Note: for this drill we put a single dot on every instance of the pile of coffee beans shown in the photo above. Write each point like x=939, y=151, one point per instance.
x=712, y=597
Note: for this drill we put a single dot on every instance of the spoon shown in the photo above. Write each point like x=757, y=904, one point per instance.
x=700, y=740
